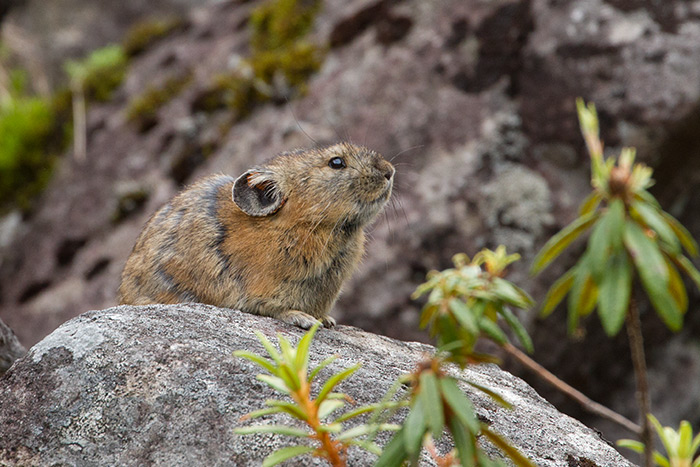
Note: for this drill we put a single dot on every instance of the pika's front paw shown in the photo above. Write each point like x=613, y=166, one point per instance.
x=298, y=318
x=328, y=322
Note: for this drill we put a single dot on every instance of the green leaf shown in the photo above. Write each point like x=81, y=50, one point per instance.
x=432, y=402
x=334, y=380
x=394, y=453
x=490, y=392
x=561, y=240
x=366, y=445
x=584, y=291
x=414, y=428
x=460, y=404
x=362, y=430
x=654, y=274
x=263, y=412
x=614, y=294
x=518, y=329
x=289, y=408
x=464, y=315
x=328, y=406
x=590, y=204
x=557, y=292
x=464, y=443
x=676, y=287
x=653, y=218
x=687, y=266
x=598, y=248
x=255, y=358
x=321, y=366
x=277, y=429
x=287, y=351
x=284, y=454
x=302, y=352
x=428, y=314
x=635, y=446
x=269, y=347
x=511, y=294
x=492, y=331
x=682, y=233
x=516, y=456
x=274, y=382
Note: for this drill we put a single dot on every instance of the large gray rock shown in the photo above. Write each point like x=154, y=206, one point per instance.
x=159, y=385
x=10, y=348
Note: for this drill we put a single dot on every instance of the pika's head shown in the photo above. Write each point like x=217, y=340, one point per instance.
x=342, y=184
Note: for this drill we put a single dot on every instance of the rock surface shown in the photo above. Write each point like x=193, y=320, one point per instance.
x=476, y=102
x=10, y=348
x=158, y=385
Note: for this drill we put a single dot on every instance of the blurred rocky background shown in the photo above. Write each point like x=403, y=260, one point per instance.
x=472, y=100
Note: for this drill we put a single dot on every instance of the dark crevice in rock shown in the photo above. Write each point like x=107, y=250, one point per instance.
x=97, y=268
x=33, y=289
x=459, y=32
x=68, y=249
x=502, y=37
x=585, y=50
x=390, y=27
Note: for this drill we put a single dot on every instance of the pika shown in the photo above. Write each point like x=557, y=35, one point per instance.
x=279, y=241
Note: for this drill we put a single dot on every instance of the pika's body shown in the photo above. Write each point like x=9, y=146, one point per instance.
x=278, y=241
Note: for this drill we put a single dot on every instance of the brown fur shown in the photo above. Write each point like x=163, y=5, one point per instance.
x=289, y=264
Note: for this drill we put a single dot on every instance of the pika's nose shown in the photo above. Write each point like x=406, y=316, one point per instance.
x=384, y=167
x=389, y=172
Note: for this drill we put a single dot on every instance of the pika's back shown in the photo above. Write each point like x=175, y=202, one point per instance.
x=279, y=240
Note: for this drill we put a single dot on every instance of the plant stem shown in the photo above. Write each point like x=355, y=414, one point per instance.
x=588, y=404
x=636, y=341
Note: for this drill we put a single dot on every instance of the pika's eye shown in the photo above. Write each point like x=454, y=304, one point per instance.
x=336, y=163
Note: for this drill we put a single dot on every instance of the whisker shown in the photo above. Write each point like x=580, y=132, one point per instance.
x=291, y=109
x=405, y=150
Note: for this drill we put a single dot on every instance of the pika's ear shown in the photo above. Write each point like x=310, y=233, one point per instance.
x=257, y=193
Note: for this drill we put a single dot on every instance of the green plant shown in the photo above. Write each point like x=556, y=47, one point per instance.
x=279, y=66
x=631, y=237
x=100, y=73
x=466, y=302
x=145, y=33
x=143, y=109
x=288, y=374
x=680, y=445
x=26, y=129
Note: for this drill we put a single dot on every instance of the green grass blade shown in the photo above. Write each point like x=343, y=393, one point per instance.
x=614, y=294
x=557, y=292
x=285, y=454
x=561, y=240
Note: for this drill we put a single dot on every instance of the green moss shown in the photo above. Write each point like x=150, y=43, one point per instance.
x=100, y=73
x=143, y=109
x=26, y=128
x=280, y=64
x=279, y=23
x=146, y=33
